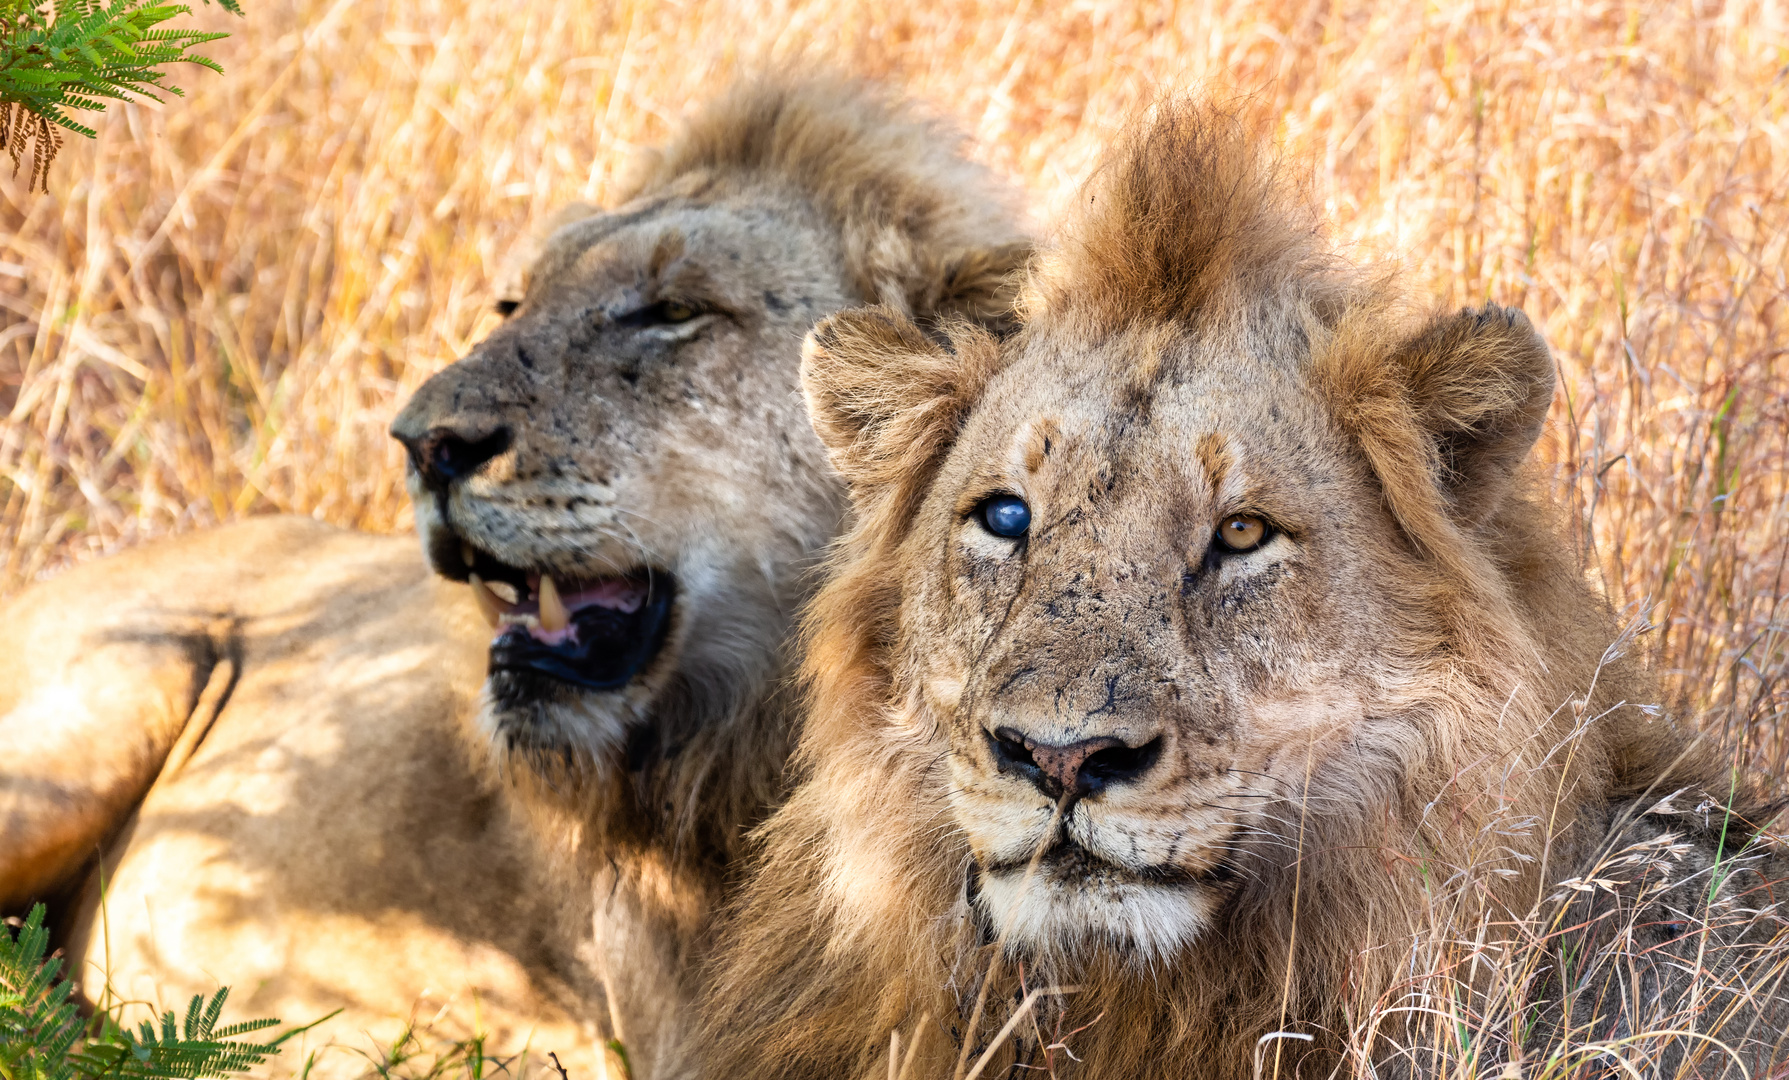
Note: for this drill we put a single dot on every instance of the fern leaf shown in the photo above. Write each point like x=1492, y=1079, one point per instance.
x=57, y=55
x=38, y=1024
x=63, y=120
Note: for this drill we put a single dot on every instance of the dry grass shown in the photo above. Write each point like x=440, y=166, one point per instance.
x=220, y=303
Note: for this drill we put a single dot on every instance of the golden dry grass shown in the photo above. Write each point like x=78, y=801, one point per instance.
x=219, y=305
x=221, y=302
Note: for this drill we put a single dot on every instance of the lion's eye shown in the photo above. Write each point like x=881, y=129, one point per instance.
x=1006, y=515
x=663, y=313
x=1242, y=532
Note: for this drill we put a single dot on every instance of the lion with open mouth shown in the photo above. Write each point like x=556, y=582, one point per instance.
x=1194, y=651
x=500, y=791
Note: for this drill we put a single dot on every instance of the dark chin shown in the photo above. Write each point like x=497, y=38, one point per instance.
x=526, y=726
x=1069, y=862
x=546, y=702
x=543, y=724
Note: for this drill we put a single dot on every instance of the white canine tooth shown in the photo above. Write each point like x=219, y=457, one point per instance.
x=490, y=605
x=467, y=555
x=553, y=615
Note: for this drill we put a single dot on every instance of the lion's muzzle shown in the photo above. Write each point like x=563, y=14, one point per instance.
x=559, y=611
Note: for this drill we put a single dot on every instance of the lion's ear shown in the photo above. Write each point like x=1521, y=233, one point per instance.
x=887, y=399
x=1480, y=381
x=981, y=285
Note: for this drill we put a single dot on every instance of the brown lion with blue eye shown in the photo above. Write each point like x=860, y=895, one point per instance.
x=1197, y=651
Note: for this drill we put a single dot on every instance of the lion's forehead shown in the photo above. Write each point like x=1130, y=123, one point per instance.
x=744, y=242
x=760, y=262
x=1130, y=462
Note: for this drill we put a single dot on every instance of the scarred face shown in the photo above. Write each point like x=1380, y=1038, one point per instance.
x=1151, y=612
x=1205, y=644
x=585, y=469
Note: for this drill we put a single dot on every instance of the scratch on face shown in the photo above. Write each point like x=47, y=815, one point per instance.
x=1214, y=458
x=668, y=250
x=1039, y=438
x=1149, y=366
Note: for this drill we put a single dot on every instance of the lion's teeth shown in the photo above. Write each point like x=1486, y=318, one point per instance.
x=490, y=605
x=553, y=615
x=467, y=555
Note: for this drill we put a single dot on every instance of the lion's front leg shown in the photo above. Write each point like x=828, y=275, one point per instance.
x=93, y=714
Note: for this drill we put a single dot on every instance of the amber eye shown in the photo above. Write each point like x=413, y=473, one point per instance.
x=663, y=313
x=1242, y=532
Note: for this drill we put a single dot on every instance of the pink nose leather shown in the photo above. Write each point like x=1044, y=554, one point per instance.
x=1063, y=763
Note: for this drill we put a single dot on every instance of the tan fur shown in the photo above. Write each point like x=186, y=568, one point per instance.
x=340, y=810
x=316, y=832
x=1397, y=709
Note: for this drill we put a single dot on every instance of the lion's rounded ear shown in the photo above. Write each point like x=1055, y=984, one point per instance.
x=1480, y=381
x=885, y=398
x=981, y=285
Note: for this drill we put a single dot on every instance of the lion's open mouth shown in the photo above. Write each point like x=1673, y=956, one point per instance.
x=595, y=632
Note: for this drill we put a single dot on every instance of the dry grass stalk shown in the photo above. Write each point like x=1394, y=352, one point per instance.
x=220, y=303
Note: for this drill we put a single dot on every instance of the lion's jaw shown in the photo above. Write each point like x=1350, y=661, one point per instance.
x=1142, y=871
x=629, y=433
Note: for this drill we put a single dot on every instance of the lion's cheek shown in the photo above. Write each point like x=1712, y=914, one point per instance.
x=1279, y=731
x=1187, y=835
x=1001, y=825
x=942, y=688
x=883, y=856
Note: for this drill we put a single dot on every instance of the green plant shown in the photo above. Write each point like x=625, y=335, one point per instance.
x=44, y=1037
x=71, y=54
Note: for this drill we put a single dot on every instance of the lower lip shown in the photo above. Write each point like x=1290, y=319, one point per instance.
x=1168, y=876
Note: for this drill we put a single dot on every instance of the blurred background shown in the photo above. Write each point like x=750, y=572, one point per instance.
x=223, y=300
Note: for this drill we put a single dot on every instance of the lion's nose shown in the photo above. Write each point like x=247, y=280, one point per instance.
x=444, y=454
x=1084, y=767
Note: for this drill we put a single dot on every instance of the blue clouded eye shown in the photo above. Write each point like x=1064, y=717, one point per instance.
x=1006, y=515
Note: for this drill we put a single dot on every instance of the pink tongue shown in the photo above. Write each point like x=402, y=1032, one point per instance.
x=617, y=594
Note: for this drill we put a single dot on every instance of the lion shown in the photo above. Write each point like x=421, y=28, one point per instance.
x=500, y=790
x=1191, y=650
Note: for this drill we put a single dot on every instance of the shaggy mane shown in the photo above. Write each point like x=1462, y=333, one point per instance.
x=909, y=208
x=1190, y=215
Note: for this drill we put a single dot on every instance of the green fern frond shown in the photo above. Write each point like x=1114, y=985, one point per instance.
x=192, y=1048
x=42, y=1035
x=39, y=1026
x=62, y=54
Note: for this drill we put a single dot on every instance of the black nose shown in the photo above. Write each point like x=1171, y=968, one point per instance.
x=444, y=454
x=1083, y=767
